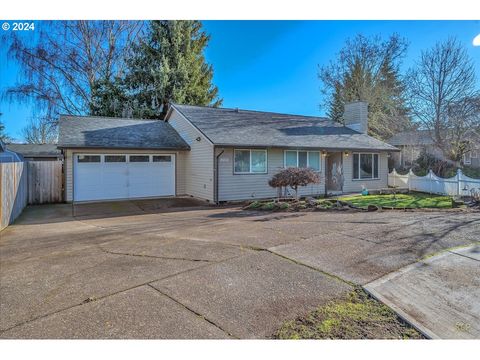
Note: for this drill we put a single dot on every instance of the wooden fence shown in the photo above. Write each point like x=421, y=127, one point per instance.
x=13, y=191
x=459, y=185
x=44, y=182
x=31, y=182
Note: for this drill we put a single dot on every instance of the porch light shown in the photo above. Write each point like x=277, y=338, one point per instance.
x=198, y=138
x=324, y=153
x=346, y=153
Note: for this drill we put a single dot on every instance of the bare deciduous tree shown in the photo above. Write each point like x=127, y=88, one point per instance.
x=60, y=70
x=368, y=69
x=443, y=96
x=40, y=131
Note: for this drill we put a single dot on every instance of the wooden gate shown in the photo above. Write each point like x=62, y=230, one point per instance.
x=44, y=182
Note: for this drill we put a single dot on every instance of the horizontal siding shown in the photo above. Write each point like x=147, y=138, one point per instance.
x=69, y=156
x=351, y=185
x=197, y=164
x=255, y=186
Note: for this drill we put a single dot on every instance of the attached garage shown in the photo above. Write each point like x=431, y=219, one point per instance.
x=123, y=176
x=117, y=158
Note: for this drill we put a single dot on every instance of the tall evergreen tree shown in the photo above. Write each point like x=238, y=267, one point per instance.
x=368, y=69
x=168, y=65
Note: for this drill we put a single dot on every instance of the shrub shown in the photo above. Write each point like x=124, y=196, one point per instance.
x=293, y=178
x=427, y=161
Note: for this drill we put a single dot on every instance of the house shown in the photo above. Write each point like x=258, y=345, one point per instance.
x=37, y=152
x=217, y=154
x=413, y=143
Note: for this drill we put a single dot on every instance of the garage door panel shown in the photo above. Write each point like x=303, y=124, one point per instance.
x=143, y=177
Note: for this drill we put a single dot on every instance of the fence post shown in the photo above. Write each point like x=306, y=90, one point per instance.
x=459, y=178
x=410, y=173
x=430, y=176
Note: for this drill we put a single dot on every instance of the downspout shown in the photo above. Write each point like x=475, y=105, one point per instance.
x=215, y=195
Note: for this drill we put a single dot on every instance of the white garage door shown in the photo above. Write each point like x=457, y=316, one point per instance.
x=123, y=176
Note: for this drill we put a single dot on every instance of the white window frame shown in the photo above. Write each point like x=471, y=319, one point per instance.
x=250, y=172
x=359, y=164
x=308, y=158
x=469, y=161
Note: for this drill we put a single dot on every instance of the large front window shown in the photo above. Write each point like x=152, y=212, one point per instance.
x=302, y=159
x=365, y=166
x=250, y=161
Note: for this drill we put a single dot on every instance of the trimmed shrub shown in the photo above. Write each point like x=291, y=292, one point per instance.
x=293, y=178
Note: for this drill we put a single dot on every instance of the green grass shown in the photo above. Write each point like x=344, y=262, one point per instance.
x=356, y=317
x=400, y=201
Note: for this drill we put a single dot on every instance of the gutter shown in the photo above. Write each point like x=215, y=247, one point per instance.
x=215, y=170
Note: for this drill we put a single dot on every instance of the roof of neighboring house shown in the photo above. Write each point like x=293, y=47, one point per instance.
x=233, y=127
x=121, y=133
x=35, y=150
x=7, y=156
x=415, y=137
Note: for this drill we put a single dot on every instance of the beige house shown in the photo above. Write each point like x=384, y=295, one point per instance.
x=217, y=154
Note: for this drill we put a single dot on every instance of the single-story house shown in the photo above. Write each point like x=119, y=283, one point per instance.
x=217, y=154
x=37, y=152
x=412, y=143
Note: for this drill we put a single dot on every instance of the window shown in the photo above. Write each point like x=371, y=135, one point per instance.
x=467, y=158
x=162, y=158
x=115, y=158
x=474, y=154
x=139, y=158
x=302, y=159
x=250, y=161
x=88, y=158
x=365, y=166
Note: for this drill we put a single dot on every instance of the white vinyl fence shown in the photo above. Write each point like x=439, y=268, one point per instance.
x=459, y=185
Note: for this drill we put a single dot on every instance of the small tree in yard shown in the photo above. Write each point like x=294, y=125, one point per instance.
x=294, y=177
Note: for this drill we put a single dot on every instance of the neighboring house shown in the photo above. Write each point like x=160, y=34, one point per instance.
x=7, y=156
x=37, y=152
x=412, y=143
x=217, y=154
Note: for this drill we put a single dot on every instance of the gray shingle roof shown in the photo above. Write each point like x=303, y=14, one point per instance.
x=104, y=132
x=255, y=128
x=416, y=137
x=35, y=150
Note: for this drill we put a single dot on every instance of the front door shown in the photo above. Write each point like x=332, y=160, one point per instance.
x=334, y=172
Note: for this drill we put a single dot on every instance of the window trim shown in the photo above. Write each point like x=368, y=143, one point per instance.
x=359, y=166
x=250, y=165
x=308, y=159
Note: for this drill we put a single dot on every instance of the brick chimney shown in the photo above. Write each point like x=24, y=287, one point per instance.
x=356, y=116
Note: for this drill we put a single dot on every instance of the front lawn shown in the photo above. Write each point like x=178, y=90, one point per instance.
x=356, y=317
x=400, y=201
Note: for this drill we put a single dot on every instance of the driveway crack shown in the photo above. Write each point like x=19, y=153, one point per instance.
x=194, y=312
x=154, y=256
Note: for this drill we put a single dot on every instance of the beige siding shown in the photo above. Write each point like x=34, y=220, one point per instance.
x=255, y=186
x=196, y=165
x=351, y=185
x=68, y=166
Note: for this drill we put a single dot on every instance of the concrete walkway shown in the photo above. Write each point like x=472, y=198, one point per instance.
x=440, y=295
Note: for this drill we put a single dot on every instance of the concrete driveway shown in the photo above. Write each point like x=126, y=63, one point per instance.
x=186, y=270
x=440, y=295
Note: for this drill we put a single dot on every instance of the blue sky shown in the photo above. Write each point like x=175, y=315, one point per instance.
x=273, y=65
